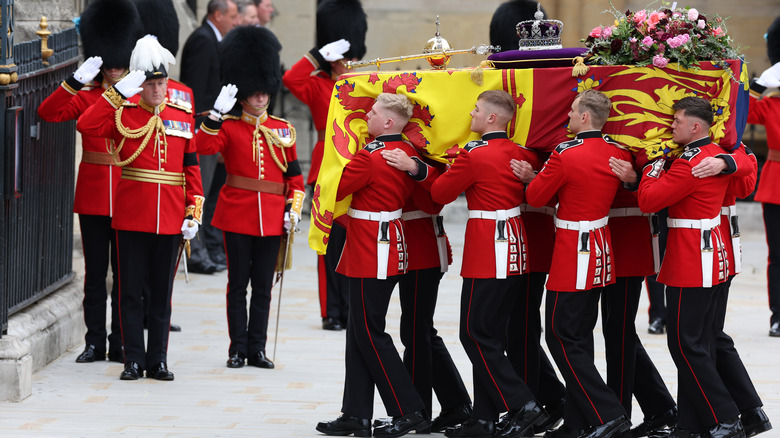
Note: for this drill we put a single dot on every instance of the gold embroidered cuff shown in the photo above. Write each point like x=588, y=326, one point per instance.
x=197, y=212
x=113, y=97
x=297, y=201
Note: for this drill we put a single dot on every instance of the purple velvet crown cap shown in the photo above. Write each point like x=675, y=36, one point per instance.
x=536, y=58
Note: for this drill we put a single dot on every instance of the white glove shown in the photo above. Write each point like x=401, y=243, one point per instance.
x=130, y=85
x=189, y=229
x=226, y=99
x=88, y=70
x=335, y=50
x=294, y=218
x=770, y=78
x=287, y=222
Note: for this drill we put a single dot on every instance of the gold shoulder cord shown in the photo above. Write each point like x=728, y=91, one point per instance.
x=273, y=140
x=154, y=124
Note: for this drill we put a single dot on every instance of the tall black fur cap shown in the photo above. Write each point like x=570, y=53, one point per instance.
x=109, y=29
x=503, y=26
x=159, y=19
x=249, y=59
x=773, y=41
x=337, y=19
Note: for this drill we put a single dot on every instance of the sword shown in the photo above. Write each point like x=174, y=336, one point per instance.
x=281, y=285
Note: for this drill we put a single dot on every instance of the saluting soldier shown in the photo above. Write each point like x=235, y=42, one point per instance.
x=158, y=201
x=263, y=194
x=107, y=44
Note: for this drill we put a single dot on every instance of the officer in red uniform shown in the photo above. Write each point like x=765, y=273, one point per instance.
x=158, y=200
x=766, y=111
x=263, y=192
x=494, y=259
x=341, y=34
x=374, y=258
x=694, y=264
x=578, y=173
x=107, y=48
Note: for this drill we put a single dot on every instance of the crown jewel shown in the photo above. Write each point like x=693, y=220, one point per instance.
x=539, y=34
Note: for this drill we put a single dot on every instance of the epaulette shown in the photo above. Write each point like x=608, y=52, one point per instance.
x=690, y=153
x=568, y=144
x=230, y=117
x=374, y=146
x=129, y=104
x=280, y=119
x=179, y=107
x=474, y=144
x=611, y=141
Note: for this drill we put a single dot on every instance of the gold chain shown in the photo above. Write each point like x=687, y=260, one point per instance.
x=273, y=140
x=154, y=125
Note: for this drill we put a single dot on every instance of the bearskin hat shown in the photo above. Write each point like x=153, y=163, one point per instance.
x=249, y=59
x=109, y=29
x=773, y=41
x=503, y=26
x=337, y=19
x=159, y=19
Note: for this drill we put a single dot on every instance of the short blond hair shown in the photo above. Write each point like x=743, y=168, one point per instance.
x=597, y=104
x=501, y=100
x=398, y=104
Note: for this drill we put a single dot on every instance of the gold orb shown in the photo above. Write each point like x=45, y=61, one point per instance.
x=436, y=45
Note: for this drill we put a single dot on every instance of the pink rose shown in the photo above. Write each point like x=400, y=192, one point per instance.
x=693, y=14
x=647, y=42
x=701, y=24
x=632, y=39
x=684, y=38
x=596, y=32
x=659, y=61
x=718, y=31
x=640, y=16
x=674, y=42
x=606, y=32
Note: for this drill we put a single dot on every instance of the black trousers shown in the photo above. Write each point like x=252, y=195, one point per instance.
x=655, y=290
x=98, y=240
x=524, y=348
x=334, y=287
x=702, y=397
x=485, y=305
x=250, y=258
x=150, y=257
x=371, y=357
x=426, y=358
x=771, y=221
x=570, y=319
x=727, y=360
x=212, y=237
x=650, y=390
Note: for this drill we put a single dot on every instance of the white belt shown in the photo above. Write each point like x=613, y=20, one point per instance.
x=655, y=230
x=438, y=230
x=550, y=211
x=501, y=235
x=705, y=226
x=626, y=212
x=583, y=253
x=383, y=237
x=736, y=245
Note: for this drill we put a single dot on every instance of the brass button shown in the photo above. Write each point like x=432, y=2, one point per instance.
x=262, y=176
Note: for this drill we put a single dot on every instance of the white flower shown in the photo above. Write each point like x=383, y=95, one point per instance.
x=693, y=14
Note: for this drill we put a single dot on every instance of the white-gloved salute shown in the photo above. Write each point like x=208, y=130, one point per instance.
x=225, y=100
x=88, y=70
x=130, y=85
x=335, y=50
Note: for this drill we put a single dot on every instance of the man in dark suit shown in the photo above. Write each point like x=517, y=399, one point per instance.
x=200, y=71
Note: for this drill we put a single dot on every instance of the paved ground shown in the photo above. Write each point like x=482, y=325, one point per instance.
x=209, y=400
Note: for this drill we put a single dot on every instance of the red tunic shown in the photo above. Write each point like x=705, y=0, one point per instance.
x=314, y=88
x=578, y=172
x=766, y=112
x=482, y=171
x=148, y=206
x=421, y=233
x=96, y=183
x=240, y=210
x=541, y=239
x=632, y=238
x=693, y=198
x=375, y=187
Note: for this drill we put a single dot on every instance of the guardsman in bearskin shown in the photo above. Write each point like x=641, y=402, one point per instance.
x=695, y=263
x=374, y=259
x=263, y=193
x=582, y=264
x=107, y=44
x=341, y=34
x=158, y=200
x=766, y=111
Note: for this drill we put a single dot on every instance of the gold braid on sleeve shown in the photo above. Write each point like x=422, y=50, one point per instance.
x=154, y=125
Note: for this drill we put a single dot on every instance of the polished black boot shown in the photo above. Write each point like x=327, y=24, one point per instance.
x=259, y=360
x=655, y=422
x=555, y=412
x=132, y=371
x=345, y=425
x=160, y=372
x=451, y=417
x=755, y=421
x=91, y=354
x=656, y=326
x=612, y=428
x=472, y=428
x=521, y=421
x=727, y=429
x=402, y=425
x=236, y=360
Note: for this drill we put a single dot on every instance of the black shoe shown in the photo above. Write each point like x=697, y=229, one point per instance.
x=563, y=432
x=236, y=360
x=612, y=428
x=451, y=417
x=402, y=425
x=175, y=328
x=727, y=429
x=774, y=330
x=199, y=266
x=555, y=412
x=116, y=355
x=656, y=326
x=755, y=421
x=160, y=372
x=675, y=433
x=331, y=324
x=259, y=360
x=132, y=371
x=380, y=422
x=663, y=420
x=521, y=421
x=345, y=425
x=91, y=354
x=472, y=428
